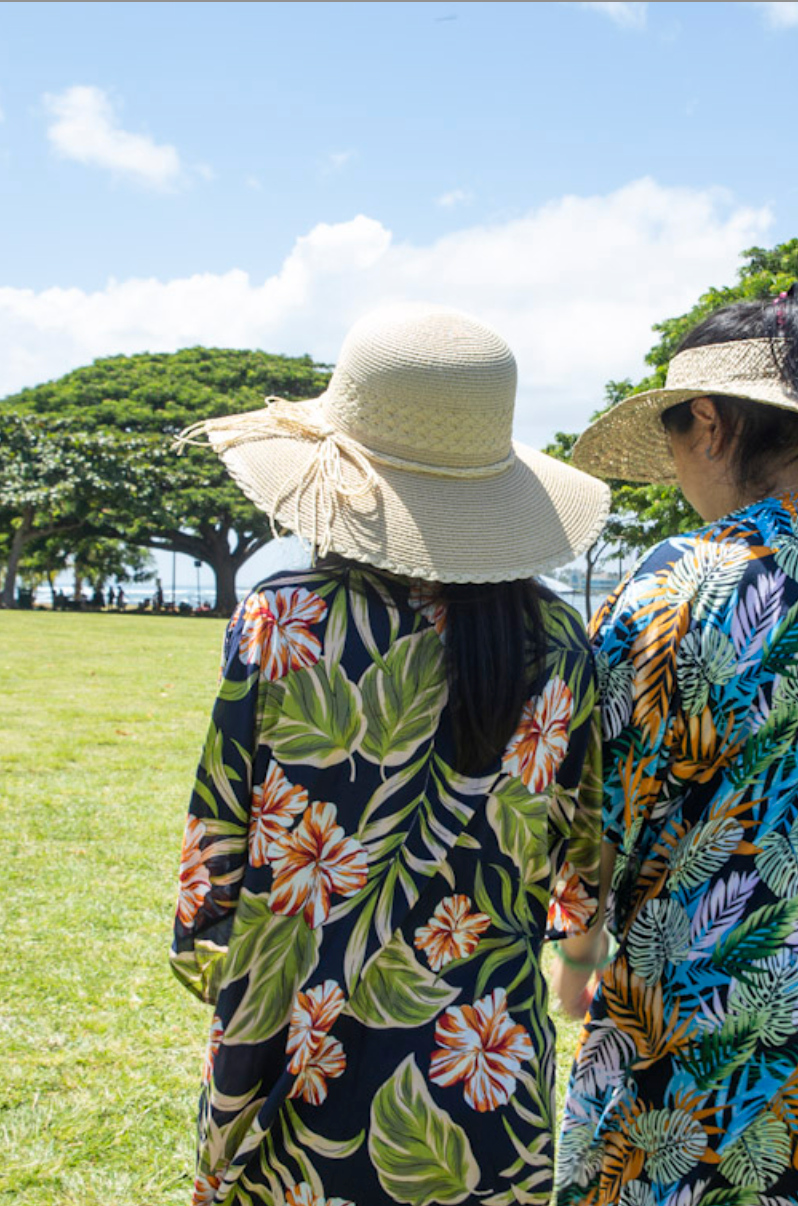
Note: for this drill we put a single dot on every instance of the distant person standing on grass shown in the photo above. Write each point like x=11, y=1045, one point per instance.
x=685, y=1089
x=385, y=818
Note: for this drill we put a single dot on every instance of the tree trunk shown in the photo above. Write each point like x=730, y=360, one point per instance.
x=224, y=568
x=20, y=539
x=51, y=584
x=588, y=581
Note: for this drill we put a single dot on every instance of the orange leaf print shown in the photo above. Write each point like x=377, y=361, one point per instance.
x=275, y=805
x=313, y=861
x=637, y=1010
x=540, y=742
x=452, y=932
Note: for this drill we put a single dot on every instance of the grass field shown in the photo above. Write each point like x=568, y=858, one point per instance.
x=102, y=718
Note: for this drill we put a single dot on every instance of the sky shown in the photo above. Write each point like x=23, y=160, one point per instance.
x=261, y=174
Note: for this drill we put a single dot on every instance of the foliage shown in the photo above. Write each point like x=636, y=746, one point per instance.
x=643, y=515
x=188, y=504
x=54, y=479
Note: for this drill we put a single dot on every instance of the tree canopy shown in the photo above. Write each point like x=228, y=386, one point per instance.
x=185, y=504
x=642, y=515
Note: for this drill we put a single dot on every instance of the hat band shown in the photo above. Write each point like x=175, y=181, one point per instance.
x=323, y=475
x=728, y=367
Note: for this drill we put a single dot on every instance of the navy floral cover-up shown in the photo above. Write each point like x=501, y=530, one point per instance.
x=366, y=922
x=685, y=1089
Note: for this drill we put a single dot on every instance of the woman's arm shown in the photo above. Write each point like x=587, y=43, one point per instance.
x=578, y=958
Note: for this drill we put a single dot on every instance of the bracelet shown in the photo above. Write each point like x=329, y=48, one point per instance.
x=586, y=965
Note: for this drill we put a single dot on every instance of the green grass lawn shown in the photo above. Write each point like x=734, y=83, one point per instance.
x=102, y=721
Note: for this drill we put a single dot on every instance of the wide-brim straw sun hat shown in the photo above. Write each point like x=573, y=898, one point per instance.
x=629, y=441
x=406, y=462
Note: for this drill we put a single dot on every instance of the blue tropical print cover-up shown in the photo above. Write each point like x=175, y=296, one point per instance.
x=366, y=922
x=685, y=1088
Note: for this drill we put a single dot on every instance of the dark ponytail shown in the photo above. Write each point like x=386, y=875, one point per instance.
x=495, y=643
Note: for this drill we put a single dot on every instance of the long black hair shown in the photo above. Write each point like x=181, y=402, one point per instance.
x=495, y=645
x=764, y=436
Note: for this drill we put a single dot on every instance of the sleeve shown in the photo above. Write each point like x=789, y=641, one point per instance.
x=575, y=820
x=214, y=854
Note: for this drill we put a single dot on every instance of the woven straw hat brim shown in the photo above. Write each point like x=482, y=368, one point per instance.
x=535, y=516
x=630, y=443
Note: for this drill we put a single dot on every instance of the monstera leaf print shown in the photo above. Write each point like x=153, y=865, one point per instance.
x=769, y=1000
x=396, y=991
x=761, y=1154
x=705, y=659
x=615, y=692
x=777, y=862
x=276, y=954
x=706, y=575
x=637, y=1193
x=703, y=851
x=317, y=720
x=403, y=701
x=420, y=1154
x=673, y=1141
x=660, y=934
x=786, y=553
x=520, y=821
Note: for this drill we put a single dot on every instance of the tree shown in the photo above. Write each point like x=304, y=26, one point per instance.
x=53, y=480
x=642, y=515
x=187, y=504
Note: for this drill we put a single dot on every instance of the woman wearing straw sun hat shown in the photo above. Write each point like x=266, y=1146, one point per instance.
x=385, y=821
x=685, y=1089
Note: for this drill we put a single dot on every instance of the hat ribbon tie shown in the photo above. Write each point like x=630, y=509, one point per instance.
x=322, y=476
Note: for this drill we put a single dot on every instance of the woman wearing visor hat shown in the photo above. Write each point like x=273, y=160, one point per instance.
x=685, y=1089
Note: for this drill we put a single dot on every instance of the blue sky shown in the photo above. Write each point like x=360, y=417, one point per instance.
x=262, y=174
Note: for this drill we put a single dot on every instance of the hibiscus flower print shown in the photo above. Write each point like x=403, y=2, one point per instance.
x=312, y=1016
x=276, y=631
x=313, y=861
x=482, y=1046
x=214, y=1042
x=303, y=1195
x=571, y=907
x=452, y=932
x=541, y=739
x=425, y=599
x=195, y=882
x=327, y=1063
x=205, y=1190
x=275, y=805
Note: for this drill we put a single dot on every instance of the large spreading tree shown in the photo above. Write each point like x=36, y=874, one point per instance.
x=185, y=504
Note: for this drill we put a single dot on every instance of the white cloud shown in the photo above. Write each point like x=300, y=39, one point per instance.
x=780, y=14
x=631, y=15
x=457, y=196
x=574, y=286
x=253, y=183
x=85, y=128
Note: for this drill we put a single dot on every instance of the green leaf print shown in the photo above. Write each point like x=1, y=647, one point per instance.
x=718, y=1053
x=772, y=741
x=703, y=851
x=395, y=990
x=520, y=822
x=335, y=632
x=758, y=937
x=777, y=862
x=331, y=1149
x=234, y=690
x=732, y=1197
x=673, y=1141
x=420, y=1154
x=782, y=648
x=317, y=721
x=705, y=659
x=279, y=953
x=761, y=1154
x=403, y=702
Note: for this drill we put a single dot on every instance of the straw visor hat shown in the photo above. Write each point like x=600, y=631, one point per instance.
x=629, y=441
x=406, y=461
